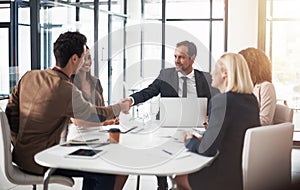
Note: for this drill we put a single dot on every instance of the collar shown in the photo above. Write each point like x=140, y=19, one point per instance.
x=190, y=75
x=59, y=71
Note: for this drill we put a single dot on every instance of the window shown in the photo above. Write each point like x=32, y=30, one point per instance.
x=118, y=47
x=24, y=43
x=164, y=23
x=283, y=48
x=200, y=21
x=57, y=17
x=9, y=67
x=282, y=45
x=4, y=67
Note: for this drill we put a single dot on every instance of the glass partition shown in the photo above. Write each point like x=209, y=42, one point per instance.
x=24, y=42
x=107, y=40
x=5, y=12
x=4, y=66
x=117, y=6
x=117, y=59
x=187, y=9
x=8, y=67
x=202, y=22
x=55, y=19
x=152, y=9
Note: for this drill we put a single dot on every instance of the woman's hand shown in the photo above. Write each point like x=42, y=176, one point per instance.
x=114, y=121
x=117, y=121
x=205, y=123
x=189, y=136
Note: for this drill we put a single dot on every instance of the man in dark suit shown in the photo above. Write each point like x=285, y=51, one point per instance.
x=170, y=83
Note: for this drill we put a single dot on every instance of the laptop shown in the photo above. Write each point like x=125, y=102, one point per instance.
x=182, y=112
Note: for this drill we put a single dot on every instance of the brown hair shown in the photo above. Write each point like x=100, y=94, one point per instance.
x=259, y=64
x=66, y=45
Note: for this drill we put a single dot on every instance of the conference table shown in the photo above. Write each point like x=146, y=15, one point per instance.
x=148, y=149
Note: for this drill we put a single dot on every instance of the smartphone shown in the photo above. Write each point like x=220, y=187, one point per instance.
x=84, y=153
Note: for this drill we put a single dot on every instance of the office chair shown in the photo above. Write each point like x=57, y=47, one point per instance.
x=266, y=160
x=11, y=171
x=283, y=114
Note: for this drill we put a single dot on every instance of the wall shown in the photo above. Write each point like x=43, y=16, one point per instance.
x=242, y=24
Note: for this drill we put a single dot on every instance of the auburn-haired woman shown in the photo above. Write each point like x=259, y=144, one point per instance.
x=261, y=75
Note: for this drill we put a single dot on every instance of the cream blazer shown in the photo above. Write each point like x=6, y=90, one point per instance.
x=266, y=97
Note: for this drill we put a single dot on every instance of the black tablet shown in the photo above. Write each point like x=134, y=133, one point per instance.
x=84, y=153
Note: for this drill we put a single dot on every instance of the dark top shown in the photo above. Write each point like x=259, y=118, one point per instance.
x=96, y=97
x=230, y=116
x=167, y=85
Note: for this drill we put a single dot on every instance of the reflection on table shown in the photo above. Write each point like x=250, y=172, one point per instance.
x=146, y=150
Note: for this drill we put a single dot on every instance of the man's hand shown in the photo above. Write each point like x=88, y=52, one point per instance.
x=127, y=100
x=125, y=105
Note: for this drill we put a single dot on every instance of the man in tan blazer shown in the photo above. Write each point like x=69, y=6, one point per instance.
x=42, y=103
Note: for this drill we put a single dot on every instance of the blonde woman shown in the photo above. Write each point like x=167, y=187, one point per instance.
x=261, y=75
x=232, y=113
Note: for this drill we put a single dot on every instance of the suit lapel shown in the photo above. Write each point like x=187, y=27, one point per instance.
x=174, y=81
x=198, y=80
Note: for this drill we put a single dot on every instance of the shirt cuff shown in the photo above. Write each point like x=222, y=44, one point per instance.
x=192, y=144
x=132, y=100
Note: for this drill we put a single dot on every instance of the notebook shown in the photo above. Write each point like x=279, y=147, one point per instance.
x=182, y=112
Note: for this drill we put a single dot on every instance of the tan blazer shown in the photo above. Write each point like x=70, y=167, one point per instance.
x=40, y=107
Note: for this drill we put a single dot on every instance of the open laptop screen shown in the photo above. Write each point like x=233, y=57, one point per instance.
x=183, y=112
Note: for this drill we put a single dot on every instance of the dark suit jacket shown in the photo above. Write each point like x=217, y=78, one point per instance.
x=230, y=116
x=167, y=84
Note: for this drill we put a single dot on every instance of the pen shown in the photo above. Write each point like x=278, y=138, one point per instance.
x=130, y=129
x=91, y=140
x=170, y=153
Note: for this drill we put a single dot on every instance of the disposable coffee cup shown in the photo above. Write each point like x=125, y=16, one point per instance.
x=114, y=135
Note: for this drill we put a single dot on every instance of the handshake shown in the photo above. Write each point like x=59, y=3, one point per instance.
x=125, y=105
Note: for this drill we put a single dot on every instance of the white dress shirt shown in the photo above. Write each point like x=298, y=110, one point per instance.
x=191, y=85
